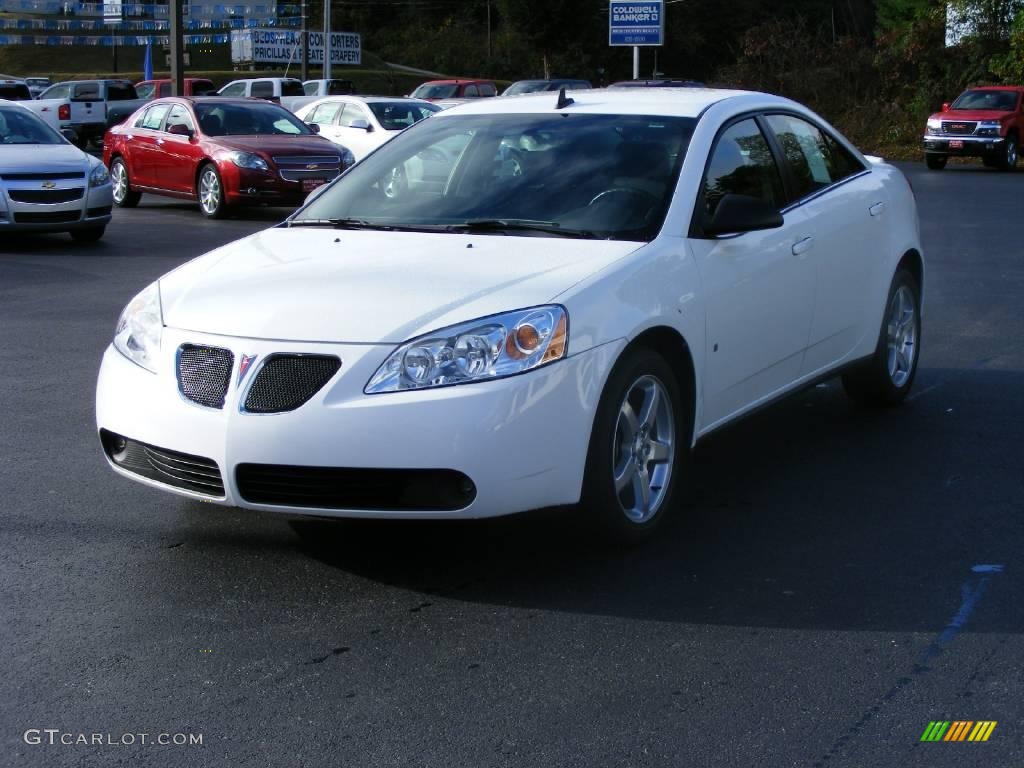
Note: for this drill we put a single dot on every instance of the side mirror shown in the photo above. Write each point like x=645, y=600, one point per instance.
x=314, y=127
x=945, y=106
x=741, y=213
x=70, y=135
x=180, y=129
x=362, y=125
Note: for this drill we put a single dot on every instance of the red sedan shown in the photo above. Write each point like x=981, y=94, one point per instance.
x=219, y=152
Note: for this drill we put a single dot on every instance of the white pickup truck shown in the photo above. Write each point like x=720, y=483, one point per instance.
x=290, y=93
x=81, y=106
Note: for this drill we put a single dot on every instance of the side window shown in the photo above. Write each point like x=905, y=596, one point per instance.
x=742, y=164
x=262, y=89
x=179, y=116
x=165, y=89
x=339, y=88
x=235, y=89
x=325, y=114
x=310, y=88
x=57, y=92
x=486, y=89
x=815, y=159
x=353, y=113
x=154, y=117
x=145, y=91
x=470, y=91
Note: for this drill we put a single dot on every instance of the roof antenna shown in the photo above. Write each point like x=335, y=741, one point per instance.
x=563, y=100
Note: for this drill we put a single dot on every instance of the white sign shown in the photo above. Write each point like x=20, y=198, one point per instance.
x=113, y=13
x=275, y=46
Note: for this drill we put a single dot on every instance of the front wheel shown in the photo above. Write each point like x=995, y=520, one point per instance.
x=91, y=235
x=123, y=195
x=211, y=193
x=886, y=378
x=1008, y=161
x=935, y=162
x=637, y=449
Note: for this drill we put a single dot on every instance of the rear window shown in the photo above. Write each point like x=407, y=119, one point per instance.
x=430, y=91
x=292, y=88
x=15, y=91
x=262, y=90
x=122, y=92
x=86, y=91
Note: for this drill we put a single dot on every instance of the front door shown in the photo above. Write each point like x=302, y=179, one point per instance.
x=758, y=286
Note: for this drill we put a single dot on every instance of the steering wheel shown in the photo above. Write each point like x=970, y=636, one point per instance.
x=645, y=197
x=395, y=183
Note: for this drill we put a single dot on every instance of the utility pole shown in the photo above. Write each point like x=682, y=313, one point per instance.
x=177, y=49
x=305, y=44
x=327, y=40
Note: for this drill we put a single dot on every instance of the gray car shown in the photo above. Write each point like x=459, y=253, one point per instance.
x=46, y=183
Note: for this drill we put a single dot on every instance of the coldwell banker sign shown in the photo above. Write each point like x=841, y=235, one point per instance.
x=270, y=46
x=636, y=23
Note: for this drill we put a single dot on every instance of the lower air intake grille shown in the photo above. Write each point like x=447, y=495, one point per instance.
x=179, y=470
x=285, y=382
x=344, y=488
x=204, y=374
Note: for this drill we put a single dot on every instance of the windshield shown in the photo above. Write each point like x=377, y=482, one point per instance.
x=996, y=101
x=526, y=86
x=254, y=119
x=576, y=175
x=19, y=126
x=427, y=91
x=399, y=115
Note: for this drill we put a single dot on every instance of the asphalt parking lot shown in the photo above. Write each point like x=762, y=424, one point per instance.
x=839, y=578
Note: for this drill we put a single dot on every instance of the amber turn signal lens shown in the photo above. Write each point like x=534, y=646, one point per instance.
x=556, y=347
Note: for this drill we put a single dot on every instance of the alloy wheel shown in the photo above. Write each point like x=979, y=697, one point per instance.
x=119, y=176
x=901, y=336
x=644, y=448
x=209, y=191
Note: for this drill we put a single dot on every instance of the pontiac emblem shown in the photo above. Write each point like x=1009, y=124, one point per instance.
x=244, y=364
x=48, y=185
x=312, y=167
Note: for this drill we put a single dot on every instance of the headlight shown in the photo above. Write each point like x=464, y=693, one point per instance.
x=139, y=329
x=347, y=158
x=989, y=128
x=934, y=123
x=480, y=350
x=248, y=160
x=99, y=176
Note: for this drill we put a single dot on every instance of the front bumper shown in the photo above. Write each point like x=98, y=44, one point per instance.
x=91, y=210
x=245, y=186
x=969, y=146
x=522, y=441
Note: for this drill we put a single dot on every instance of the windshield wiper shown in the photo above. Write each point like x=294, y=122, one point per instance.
x=361, y=224
x=524, y=225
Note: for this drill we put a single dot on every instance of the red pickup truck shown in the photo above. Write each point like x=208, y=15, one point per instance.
x=983, y=122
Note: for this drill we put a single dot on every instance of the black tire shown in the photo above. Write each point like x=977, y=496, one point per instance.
x=216, y=207
x=936, y=162
x=875, y=382
x=125, y=198
x=602, y=506
x=1008, y=159
x=91, y=235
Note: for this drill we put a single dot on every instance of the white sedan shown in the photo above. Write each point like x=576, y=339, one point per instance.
x=46, y=183
x=363, y=123
x=575, y=294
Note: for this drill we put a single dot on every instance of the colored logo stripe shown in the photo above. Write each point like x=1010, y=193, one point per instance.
x=958, y=730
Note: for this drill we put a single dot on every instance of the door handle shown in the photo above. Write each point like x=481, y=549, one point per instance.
x=876, y=209
x=160, y=141
x=802, y=246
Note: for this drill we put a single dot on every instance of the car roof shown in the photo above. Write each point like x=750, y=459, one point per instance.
x=457, y=81
x=670, y=102
x=1017, y=88
x=212, y=100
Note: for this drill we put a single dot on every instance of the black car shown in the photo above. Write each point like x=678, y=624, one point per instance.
x=660, y=83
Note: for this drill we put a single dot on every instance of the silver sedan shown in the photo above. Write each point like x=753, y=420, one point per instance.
x=46, y=183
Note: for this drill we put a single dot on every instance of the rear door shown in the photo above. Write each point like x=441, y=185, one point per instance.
x=87, y=105
x=846, y=209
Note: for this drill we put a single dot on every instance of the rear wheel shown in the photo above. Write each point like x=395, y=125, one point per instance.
x=211, y=193
x=123, y=195
x=936, y=162
x=1008, y=161
x=886, y=378
x=637, y=449
x=91, y=235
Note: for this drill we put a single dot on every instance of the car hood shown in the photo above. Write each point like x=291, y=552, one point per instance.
x=45, y=158
x=364, y=287
x=278, y=145
x=954, y=115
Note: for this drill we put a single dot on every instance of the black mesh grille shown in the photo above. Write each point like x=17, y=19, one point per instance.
x=204, y=374
x=59, y=176
x=179, y=470
x=56, y=217
x=352, y=488
x=287, y=381
x=45, y=196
